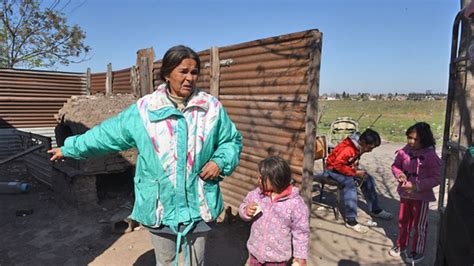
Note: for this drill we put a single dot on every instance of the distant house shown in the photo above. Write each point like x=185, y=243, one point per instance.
x=400, y=98
x=331, y=98
x=440, y=97
x=429, y=98
x=426, y=97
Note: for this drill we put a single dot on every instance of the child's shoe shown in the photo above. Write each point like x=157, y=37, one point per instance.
x=397, y=251
x=414, y=258
x=358, y=228
x=382, y=214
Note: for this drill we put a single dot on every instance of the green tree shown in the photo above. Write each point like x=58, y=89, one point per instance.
x=33, y=36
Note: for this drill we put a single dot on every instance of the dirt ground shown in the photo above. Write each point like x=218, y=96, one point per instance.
x=55, y=233
x=334, y=244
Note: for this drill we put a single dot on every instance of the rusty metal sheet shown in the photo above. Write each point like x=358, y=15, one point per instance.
x=31, y=98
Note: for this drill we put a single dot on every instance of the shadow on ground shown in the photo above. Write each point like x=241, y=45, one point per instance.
x=334, y=244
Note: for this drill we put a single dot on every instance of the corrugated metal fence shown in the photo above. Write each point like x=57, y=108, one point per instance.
x=269, y=88
x=32, y=98
x=98, y=82
x=121, y=81
x=265, y=92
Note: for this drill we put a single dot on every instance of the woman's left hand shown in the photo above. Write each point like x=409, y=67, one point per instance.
x=210, y=170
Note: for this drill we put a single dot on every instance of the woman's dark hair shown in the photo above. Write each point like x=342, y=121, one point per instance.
x=370, y=137
x=423, y=134
x=277, y=171
x=174, y=56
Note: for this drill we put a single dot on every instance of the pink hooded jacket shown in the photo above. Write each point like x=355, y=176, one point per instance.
x=422, y=167
x=281, y=231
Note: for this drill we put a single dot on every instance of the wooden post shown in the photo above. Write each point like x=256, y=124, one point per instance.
x=88, y=81
x=108, y=80
x=145, y=59
x=214, y=71
x=311, y=117
x=144, y=77
x=135, y=81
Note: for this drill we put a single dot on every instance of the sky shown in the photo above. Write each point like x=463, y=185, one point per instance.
x=374, y=46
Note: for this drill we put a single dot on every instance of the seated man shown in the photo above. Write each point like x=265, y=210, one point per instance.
x=341, y=165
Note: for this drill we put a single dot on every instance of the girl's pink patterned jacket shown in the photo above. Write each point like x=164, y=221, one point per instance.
x=281, y=230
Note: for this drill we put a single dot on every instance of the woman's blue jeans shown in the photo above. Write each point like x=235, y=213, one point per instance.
x=350, y=193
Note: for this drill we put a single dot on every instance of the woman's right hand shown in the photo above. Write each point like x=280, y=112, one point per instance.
x=57, y=154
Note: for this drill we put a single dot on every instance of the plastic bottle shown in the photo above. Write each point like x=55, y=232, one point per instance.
x=13, y=187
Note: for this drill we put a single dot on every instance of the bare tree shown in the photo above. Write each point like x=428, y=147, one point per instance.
x=33, y=36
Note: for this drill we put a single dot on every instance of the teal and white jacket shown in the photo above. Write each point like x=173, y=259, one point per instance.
x=173, y=147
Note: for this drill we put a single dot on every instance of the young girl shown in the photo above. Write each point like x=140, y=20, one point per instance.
x=417, y=169
x=280, y=227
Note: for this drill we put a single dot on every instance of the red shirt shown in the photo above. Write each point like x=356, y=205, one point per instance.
x=344, y=158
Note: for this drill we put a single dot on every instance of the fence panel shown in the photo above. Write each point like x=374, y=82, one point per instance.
x=30, y=99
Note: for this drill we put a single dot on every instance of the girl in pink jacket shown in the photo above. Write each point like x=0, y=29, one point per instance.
x=417, y=168
x=280, y=226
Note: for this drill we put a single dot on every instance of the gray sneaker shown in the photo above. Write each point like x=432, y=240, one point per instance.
x=385, y=215
x=397, y=251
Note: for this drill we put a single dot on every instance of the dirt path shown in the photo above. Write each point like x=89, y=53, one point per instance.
x=58, y=234
x=334, y=244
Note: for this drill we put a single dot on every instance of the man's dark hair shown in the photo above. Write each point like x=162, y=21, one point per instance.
x=174, y=56
x=277, y=171
x=370, y=137
x=423, y=134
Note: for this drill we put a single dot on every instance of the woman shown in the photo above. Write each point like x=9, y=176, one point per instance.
x=185, y=143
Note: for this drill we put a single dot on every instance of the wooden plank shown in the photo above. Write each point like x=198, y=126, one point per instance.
x=145, y=79
x=88, y=81
x=215, y=72
x=134, y=81
x=109, y=80
x=145, y=58
x=311, y=116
